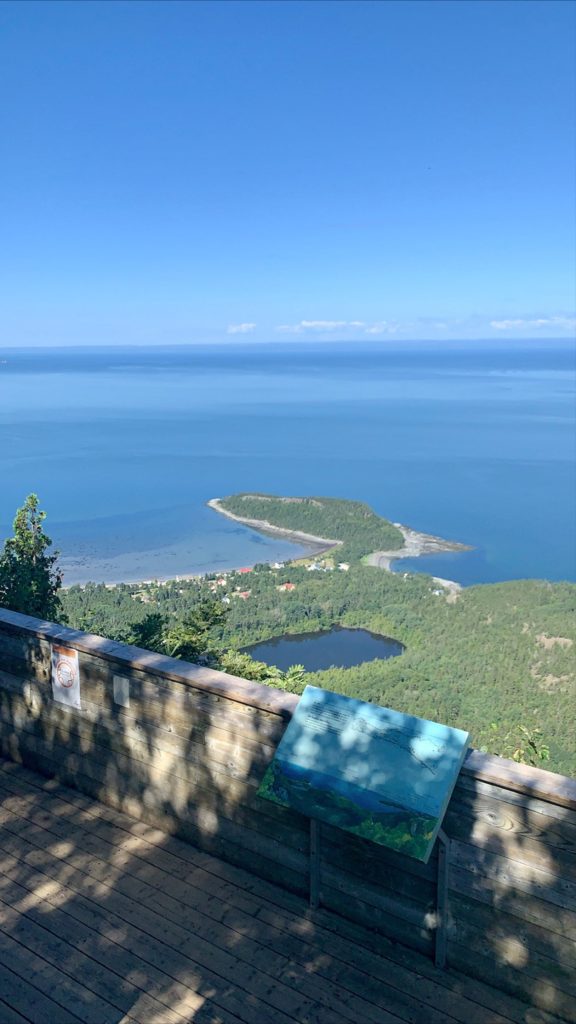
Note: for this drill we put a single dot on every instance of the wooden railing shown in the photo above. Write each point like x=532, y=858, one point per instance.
x=188, y=755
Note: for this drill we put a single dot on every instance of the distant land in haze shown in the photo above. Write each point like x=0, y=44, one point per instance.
x=471, y=441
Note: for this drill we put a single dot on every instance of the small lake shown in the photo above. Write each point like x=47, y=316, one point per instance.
x=316, y=651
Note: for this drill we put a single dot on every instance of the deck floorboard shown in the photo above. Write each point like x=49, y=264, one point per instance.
x=106, y=920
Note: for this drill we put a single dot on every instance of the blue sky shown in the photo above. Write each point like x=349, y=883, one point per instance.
x=196, y=172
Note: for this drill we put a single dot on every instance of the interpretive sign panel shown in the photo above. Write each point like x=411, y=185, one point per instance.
x=65, y=676
x=373, y=771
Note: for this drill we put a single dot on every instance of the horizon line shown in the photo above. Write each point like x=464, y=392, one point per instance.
x=293, y=343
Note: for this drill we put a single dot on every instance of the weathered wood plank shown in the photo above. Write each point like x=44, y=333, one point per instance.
x=86, y=926
x=356, y=992
x=42, y=926
x=8, y=1015
x=242, y=967
x=30, y=652
x=182, y=712
x=397, y=913
x=520, y=904
x=334, y=902
x=522, y=877
x=285, y=839
x=503, y=838
x=555, y=789
x=170, y=825
x=471, y=789
x=408, y=1007
x=538, y=992
x=19, y=996
x=382, y=866
x=418, y=894
x=280, y=907
x=198, y=802
x=497, y=923
x=182, y=784
x=397, y=917
x=285, y=825
x=188, y=754
x=49, y=973
x=364, y=858
x=89, y=862
x=28, y=657
x=227, y=758
x=218, y=683
x=168, y=963
x=258, y=953
x=397, y=928
x=525, y=968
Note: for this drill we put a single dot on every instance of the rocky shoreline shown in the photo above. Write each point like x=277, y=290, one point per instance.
x=415, y=544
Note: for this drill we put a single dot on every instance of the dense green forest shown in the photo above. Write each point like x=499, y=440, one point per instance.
x=359, y=529
x=498, y=661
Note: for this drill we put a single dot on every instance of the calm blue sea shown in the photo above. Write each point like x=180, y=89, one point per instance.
x=124, y=446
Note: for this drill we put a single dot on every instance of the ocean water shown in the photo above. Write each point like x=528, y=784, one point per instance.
x=474, y=442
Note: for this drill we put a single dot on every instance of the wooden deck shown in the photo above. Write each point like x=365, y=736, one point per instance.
x=104, y=919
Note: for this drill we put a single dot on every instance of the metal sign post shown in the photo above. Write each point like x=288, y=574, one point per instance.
x=314, y=864
x=441, y=899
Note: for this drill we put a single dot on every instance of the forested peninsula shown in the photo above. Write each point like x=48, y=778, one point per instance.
x=355, y=529
x=498, y=660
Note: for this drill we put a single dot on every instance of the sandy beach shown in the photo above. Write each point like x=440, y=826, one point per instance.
x=415, y=544
x=317, y=544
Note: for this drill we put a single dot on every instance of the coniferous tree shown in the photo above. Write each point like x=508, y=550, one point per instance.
x=29, y=577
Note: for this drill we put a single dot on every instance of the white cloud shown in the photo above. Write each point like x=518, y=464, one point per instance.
x=318, y=325
x=358, y=326
x=564, y=322
x=386, y=327
x=508, y=325
x=429, y=327
x=240, y=328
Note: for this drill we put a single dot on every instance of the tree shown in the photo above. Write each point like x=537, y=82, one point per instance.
x=189, y=638
x=29, y=577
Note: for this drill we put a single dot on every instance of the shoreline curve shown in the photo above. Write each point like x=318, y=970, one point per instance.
x=319, y=544
x=416, y=544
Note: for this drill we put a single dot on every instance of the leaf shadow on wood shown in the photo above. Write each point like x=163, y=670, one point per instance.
x=179, y=935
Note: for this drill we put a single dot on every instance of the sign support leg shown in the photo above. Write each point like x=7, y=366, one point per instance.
x=442, y=899
x=314, y=864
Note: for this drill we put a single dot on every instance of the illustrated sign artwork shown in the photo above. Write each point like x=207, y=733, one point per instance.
x=65, y=676
x=373, y=771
